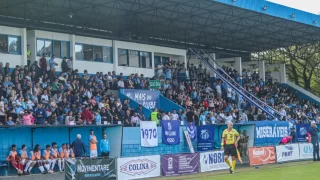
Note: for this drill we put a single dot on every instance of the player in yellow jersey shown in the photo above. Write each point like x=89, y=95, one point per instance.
x=229, y=143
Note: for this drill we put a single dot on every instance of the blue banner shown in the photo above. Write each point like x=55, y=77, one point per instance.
x=269, y=132
x=192, y=131
x=170, y=132
x=205, y=137
x=302, y=131
x=148, y=99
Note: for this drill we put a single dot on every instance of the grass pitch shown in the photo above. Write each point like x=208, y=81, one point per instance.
x=305, y=170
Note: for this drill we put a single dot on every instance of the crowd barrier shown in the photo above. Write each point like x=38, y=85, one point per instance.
x=181, y=164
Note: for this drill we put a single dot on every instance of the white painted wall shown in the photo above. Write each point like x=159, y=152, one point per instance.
x=12, y=58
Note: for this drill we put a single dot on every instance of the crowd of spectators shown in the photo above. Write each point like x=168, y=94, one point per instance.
x=39, y=95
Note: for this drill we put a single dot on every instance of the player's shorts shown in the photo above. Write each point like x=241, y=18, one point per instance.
x=230, y=150
x=93, y=153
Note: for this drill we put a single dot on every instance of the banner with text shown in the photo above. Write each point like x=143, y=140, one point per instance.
x=262, y=155
x=302, y=131
x=270, y=132
x=138, y=167
x=90, y=169
x=177, y=164
x=211, y=161
x=306, y=150
x=148, y=133
x=148, y=99
x=289, y=152
x=205, y=137
x=170, y=132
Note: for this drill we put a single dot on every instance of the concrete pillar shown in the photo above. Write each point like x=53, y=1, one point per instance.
x=73, y=50
x=283, y=78
x=23, y=46
x=238, y=65
x=33, y=45
x=115, y=56
x=262, y=70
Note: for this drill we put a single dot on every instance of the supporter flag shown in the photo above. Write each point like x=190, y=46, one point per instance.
x=192, y=131
x=170, y=132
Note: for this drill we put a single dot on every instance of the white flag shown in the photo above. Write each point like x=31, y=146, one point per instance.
x=148, y=133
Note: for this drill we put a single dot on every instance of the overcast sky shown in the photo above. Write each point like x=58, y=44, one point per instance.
x=312, y=6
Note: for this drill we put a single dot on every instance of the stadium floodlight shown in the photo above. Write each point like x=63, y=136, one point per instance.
x=292, y=15
x=265, y=7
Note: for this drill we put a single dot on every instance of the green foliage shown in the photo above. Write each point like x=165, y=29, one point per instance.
x=302, y=64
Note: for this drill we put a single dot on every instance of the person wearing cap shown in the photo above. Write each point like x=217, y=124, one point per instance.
x=93, y=144
x=315, y=140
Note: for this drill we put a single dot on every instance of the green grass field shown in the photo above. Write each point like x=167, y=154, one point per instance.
x=306, y=170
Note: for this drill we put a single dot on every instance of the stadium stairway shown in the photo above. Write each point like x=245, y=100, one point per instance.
x=234, y=85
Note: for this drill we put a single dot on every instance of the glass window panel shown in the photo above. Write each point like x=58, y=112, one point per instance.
x=14, y=45
x=65, y=46
x=87, y=52
x=3, y=44
x=97, y=51
x=40, y=47
x=57, y=48
x=145, y=60
x=133, y=58
x=107, y=54
x=79, y=51
x=122, y=57
x=48, y=47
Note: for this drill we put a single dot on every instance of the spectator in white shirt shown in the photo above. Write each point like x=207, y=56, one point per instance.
x=219, y=91
x=45, y=97
x=174, y=115
x=229, y=118
x=244, y=117
x=135, y=120
x=120, y=83
x=165, y=116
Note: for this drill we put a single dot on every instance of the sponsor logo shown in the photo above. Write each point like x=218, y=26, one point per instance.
x=170, y=163
x=169, y=126
x=204, y=134
x=288, y=152
x=213, y=158
x=263, y=155
x=138, y=167
x=258, y=152
x=303, y=131
x=308, y=149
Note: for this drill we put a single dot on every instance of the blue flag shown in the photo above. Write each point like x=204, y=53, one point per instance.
x=170, y=132
x=302, y=131
x=205, y=137
x=192, y=131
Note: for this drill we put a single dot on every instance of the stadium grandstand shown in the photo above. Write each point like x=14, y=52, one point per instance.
x=75, y=71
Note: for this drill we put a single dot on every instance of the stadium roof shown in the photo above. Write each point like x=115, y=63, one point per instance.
x=237, y=25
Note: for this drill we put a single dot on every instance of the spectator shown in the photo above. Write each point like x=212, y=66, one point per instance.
x=135, y=121
x=93, y=145
x=70, y=63
x=86, y=115
x=64, y=65
x=43, y=64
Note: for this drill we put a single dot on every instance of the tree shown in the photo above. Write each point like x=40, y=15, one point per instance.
x=302, y=64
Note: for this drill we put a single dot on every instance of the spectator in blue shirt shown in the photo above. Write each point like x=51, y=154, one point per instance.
x=105, y=146
x=168, y=73
x=41, y=115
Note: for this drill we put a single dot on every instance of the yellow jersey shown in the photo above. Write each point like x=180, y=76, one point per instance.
x=230, y=136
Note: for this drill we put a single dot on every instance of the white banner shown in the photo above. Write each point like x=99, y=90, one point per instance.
x=149, y=134
x=186, y=134
x=211, y=161
x=306, y=150
x=287, y=152
x=138, y=167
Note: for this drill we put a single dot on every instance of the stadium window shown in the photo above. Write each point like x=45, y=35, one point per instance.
x=145, y=60
x=65, y=49
x=97, y=52
x=79, y=51
x=107, y=54
x=57, y=48
x=122, y=57
x=3, y=44
x=134, y=58
x=14, y=45
x=87, y=52
x=48, y=47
